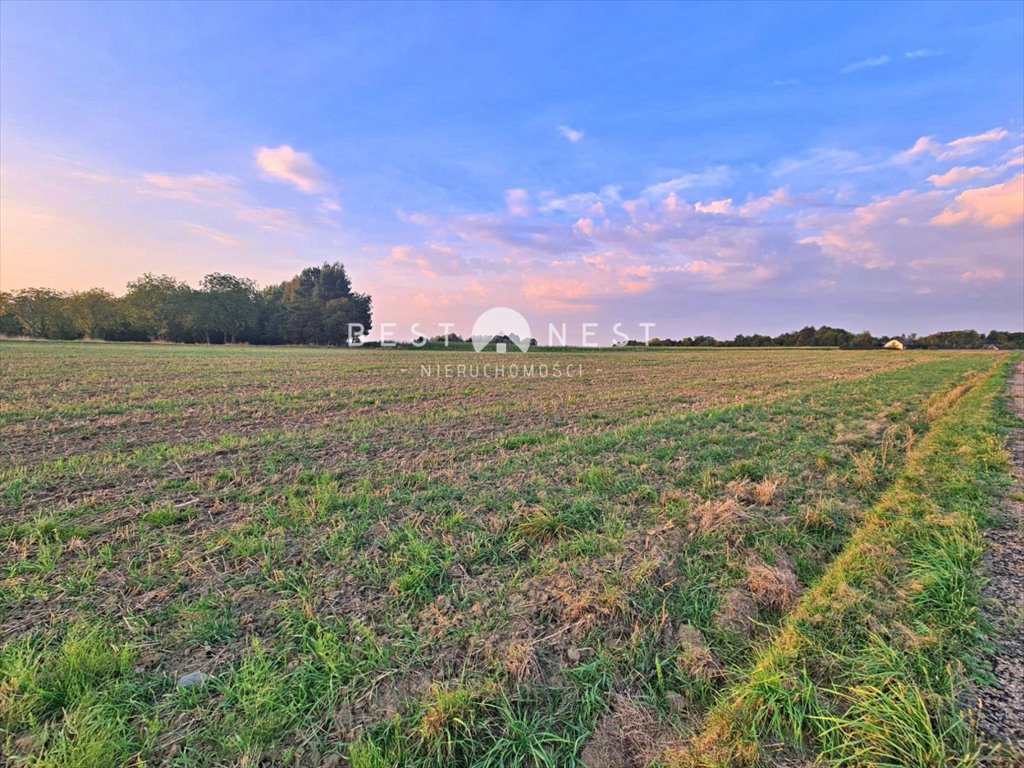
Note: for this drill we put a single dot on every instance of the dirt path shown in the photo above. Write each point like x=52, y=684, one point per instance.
x=1001, y=718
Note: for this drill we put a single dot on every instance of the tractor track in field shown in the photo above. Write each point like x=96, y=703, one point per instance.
x=1001, y=706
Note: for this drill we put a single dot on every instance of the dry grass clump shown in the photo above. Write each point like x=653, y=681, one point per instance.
x=891, y=442
x=773, y=586
x=723, y=516
x=864, y=472
x=540, y=525
x=695, y=658
x=737, y=612
x=764, y=491
x=520, y=661
x=629, y=736
x=820, y=514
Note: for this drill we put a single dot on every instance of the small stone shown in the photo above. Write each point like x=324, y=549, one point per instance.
x=573, y=654
x=192, y=679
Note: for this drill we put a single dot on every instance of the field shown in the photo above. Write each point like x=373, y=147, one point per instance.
x=679, y=557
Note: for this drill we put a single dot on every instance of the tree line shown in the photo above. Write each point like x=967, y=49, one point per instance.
x=314, y=307
x=840, y=337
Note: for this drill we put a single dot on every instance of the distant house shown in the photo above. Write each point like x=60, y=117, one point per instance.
x=894, y=344
x=992, y=347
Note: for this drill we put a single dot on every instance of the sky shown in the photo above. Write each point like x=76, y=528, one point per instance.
x=709, y=168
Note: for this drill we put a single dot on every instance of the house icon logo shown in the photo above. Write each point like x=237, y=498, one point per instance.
x=504, y=325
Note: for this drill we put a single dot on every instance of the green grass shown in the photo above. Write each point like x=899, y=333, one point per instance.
x=868, y=667
x=402, y=571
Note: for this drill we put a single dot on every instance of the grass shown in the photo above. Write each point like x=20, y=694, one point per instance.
x=867, y=668
x=677, y=551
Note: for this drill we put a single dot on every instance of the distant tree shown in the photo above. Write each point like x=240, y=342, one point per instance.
x=158, y=306
x=447, y=338
x=864, y=340
x=228, y=305
x=952, y=340
x=319, y=306
x=94, y=313
x=9, y=324
x=271, y=316
x=40, y=313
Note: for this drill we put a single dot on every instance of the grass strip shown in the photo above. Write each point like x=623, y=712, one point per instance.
x=867, y=667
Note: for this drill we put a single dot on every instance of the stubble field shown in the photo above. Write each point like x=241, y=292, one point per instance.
x=714, y=557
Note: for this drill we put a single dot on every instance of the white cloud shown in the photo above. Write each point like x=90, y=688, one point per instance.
x=589, y=203
x=570, y=133
x=711, y=177
x=874, y=61
x=967, y=143
x=296, y=168
x=927, y=145
x=761, y=205
x=921, y=53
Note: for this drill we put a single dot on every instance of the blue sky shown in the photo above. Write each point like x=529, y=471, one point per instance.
x=712, y=168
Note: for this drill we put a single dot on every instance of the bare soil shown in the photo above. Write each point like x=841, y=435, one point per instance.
x=1001, y=706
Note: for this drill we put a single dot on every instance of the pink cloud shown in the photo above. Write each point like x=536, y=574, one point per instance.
x=1000, y=205
x=983, y=274
x=704, y=268
x=584, y=227
x=517, y=202
x=212, y=234
x=207, y=188
x=557, y=293
x=715, y=206
x=296, y=168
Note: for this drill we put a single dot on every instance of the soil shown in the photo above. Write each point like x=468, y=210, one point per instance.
x=1001, y=706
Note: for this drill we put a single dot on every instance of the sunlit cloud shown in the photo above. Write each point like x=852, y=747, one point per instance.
x=715, y=206
x=927, y=145
x=761, y=205
x=584, y=227
x=296, y=168
x=1000, y=205
x=958, y=175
